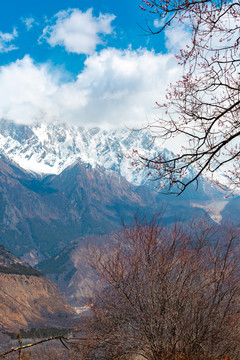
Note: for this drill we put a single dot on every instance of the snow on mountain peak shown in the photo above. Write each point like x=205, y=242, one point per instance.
x=51, y=148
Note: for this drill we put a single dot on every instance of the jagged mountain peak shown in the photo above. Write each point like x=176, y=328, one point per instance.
x=51, y=148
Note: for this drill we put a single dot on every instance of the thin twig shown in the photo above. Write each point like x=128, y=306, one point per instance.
x=20, y=348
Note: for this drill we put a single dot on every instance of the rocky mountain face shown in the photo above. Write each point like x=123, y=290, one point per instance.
x=28, y=299
x=40, y=215
x=49, y=149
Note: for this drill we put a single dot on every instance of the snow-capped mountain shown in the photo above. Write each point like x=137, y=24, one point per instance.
x=80, y=187
x=49, y=148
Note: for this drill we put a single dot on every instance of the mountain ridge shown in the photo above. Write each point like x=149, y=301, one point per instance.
x=41, y=215
x=28, y=298
x=51, y=148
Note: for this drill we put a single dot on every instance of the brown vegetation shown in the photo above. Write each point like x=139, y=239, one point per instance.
x=167, y=294
x=31, y=301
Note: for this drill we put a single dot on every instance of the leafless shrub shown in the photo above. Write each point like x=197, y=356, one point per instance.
x=167, y=293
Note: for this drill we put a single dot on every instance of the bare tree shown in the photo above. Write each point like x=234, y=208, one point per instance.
x=204, y=104
x=167, y=294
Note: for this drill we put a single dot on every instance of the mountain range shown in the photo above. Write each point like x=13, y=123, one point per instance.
x=60, y=184
x=44, y=149
x=51, y=148
x=40, y=215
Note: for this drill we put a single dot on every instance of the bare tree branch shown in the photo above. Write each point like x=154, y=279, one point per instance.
x=204, y=105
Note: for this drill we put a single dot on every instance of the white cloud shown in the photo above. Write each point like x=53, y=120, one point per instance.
x=177, y=38
x=28, y=22
x=122, y=86
x=158, y=23
x=5, y=39
x=116, y=88
x=25, y=91
x=79, y=32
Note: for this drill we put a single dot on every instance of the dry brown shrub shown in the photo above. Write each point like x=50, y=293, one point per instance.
x=167, y=293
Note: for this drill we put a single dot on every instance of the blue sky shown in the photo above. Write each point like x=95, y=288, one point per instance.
x=84, y=62
x=29, y=18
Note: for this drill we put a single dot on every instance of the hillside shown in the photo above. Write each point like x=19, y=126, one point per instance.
x=69, y=269
x=28, y=299
x=10, y=264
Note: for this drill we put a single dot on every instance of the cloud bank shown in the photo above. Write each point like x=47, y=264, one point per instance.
x=115, y=88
